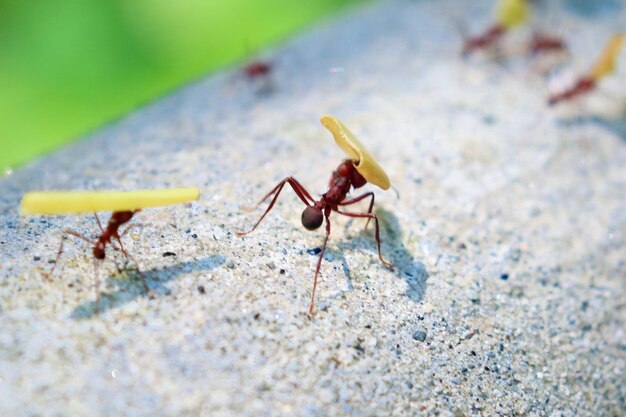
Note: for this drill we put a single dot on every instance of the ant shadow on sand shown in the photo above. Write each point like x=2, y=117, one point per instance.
x=130, y=288
x=405, y=265
x=616, y=126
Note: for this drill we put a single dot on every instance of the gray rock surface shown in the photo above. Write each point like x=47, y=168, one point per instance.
x=508, y=296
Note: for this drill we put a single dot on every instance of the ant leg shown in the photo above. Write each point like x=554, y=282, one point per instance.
x=370, y=216
x=96, y=285
x=295, y=184
x=132, y=226
x=357, y=199
x=317, y=269
x=300, y=191
x=132, y=258
x=60, y=251
x=98, y=220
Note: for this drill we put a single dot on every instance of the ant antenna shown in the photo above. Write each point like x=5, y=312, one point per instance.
x=396, y=191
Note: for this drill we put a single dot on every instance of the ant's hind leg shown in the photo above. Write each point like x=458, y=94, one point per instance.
x=359, y=198
x=370, y=216
x=141, y=275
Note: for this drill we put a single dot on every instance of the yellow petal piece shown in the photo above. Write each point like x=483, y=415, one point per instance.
x=606, y=63
x=511, y=13
x=365, y=163
x=68, y=202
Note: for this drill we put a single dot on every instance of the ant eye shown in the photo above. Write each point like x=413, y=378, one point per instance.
x=312, y=218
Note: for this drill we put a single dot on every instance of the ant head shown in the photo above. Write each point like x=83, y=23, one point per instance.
x=312, y=218
x=98, y=251
x=348, y=170
x=357, y=179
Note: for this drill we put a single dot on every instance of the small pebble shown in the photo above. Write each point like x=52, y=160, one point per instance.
x=428, y=308
x=419, y=336
x=473, y=296
x=201, y=289
x=314, y=251
x=282, y=271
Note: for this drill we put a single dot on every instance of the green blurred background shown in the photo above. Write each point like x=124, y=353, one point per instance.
x=68, y=66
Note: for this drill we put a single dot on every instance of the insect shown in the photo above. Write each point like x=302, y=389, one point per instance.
x=509, y=14
x=257, y=69
x=259, y=74
x=123, y=204
x=542, y=42
x=604, y=66
x=352, y=173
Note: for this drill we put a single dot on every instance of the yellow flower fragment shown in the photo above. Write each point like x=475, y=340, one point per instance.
x=511, y=13
x=68, y=202
x=606, y=63
x=365, y=163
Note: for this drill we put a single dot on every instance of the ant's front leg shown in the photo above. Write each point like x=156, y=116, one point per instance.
x=300, y=191
x=370, y=216
x=356, y=200
x=60, y=251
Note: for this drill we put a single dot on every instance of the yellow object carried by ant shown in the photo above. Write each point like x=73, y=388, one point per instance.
x=606, y=63
x=365, y=163
x=511, y=13
x=68, y=202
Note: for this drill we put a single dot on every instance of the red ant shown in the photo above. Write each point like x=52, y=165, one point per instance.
x=604, y=66
x=345, y=177
x=582, y=86
x=484, y=41
x=508, y=15
x=257, y=69
x=118, y=218
x=547, y=43
x=258, y=74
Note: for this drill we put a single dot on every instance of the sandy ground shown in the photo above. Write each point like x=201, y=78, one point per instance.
x=508, y=296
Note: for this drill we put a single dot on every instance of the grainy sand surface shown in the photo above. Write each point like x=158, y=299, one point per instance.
x=508, y=296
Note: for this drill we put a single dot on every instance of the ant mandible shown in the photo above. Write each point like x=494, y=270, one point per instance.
x=354, y=173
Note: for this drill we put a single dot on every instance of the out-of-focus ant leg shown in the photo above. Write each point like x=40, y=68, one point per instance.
x=66, y=232
x=133, y=260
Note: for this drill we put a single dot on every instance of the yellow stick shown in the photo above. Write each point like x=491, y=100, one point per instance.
x=511, y=13
x=606, y=63
x=366, y=165
x=68, y=202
